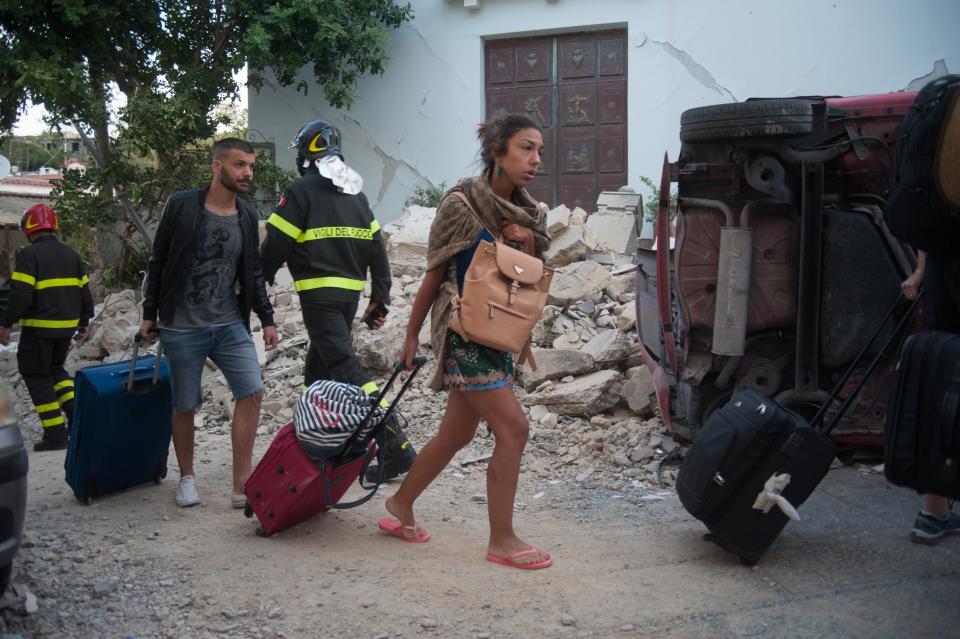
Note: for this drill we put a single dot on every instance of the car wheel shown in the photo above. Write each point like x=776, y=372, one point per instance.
x=5, y=572
x=755, y=119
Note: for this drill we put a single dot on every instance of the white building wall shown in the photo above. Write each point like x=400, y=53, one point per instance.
x=415, y=124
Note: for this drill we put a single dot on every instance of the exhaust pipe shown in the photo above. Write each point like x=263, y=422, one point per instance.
x=733, y=278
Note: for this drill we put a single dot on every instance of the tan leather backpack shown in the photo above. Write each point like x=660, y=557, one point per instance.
x=504, y=292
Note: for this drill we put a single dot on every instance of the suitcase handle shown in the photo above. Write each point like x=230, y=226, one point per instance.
x=128, y=387
x=418, y=363
x=856, y=361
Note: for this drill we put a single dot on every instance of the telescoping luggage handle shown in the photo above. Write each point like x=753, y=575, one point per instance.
x=852, y=395
x=128, y=387
x=418, y=363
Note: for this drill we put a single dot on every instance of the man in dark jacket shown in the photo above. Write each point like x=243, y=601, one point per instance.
x=203, y=279
x=50, y=298
x=324, y=230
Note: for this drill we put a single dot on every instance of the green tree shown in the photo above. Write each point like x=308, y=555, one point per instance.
x=172, y=64
x=651, y=204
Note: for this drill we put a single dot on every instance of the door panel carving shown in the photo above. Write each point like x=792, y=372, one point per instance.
x=579, y=105
x=611, y=56
x=575, y=87
x=577, y=59
x=501, y=66
x=611, y=101
x=537, y=104
x=534, y=61
x=577, y=156
x=610, y=155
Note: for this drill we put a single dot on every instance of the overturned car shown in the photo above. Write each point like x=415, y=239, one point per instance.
x=782, y=265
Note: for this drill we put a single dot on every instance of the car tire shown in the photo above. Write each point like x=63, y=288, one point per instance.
x=5, y=573
x=754, y=119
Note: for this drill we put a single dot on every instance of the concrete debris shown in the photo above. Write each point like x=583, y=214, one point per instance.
x=567, y=246
x=577, y=281
x=587, y=395
x=615, y=232
x=555, y=364
x=590, y=406
x=558, y=219
x=407, y=240
x=611, y=346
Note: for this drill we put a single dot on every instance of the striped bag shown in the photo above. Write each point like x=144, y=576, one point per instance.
x=328, y=413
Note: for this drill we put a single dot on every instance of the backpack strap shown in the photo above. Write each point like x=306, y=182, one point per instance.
x=526, y=355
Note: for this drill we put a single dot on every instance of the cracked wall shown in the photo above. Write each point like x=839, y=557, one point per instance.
x=415, y=125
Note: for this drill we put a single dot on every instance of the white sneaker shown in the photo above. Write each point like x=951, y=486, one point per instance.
x=187, y=492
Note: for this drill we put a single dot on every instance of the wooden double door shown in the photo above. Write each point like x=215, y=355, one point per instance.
x=575, y=87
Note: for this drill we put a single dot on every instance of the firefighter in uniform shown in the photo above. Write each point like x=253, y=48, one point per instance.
x=324, y=230
x=50, y=298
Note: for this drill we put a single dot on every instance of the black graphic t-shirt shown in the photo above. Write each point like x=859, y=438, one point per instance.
x=209, y=297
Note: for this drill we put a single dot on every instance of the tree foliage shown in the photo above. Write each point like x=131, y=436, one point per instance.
x=169, y=64
x=651, y=204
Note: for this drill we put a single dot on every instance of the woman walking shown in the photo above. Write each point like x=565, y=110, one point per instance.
x=477, y=378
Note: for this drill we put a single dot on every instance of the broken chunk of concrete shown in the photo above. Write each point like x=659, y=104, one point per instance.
x=587, y=395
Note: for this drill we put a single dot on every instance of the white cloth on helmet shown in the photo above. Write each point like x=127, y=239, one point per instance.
x=342, y=176
x=770, y=496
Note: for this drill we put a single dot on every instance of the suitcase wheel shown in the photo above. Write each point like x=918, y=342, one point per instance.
x=749, y=563
x=261, y=532
x=247, y=510
x=86, y=497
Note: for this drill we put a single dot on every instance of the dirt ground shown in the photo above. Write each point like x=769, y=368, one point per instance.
x=629, y=562
x=136, y=565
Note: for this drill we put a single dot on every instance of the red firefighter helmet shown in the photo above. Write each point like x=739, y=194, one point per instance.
x=38, y=217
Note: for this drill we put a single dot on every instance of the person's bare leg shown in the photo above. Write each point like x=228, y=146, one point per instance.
x=936, y=505
x=246, y=417
x=500, y=409
x=457, y=428
x=181, y=425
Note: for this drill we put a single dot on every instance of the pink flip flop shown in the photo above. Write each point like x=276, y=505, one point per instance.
x=395, y=528
x=509, y=560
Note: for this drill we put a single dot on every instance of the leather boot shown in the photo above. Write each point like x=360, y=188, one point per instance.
x=54, y=438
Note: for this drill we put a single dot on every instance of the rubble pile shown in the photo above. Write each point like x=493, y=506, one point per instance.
x=590, y=401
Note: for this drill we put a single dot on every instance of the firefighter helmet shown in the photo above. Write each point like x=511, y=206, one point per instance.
x=315, y=140
x=38, y=217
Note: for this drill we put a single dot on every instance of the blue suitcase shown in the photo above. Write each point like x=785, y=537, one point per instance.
x=120, y=431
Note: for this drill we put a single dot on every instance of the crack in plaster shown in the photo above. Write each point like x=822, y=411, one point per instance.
x=699, y=72
x=426, y=45
x=939, y=70
x=390, y=163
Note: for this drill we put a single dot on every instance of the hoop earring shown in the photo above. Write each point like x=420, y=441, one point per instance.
x=499, y=170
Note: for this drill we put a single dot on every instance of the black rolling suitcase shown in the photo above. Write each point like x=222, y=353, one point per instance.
x=754, y=462
x=922, y=433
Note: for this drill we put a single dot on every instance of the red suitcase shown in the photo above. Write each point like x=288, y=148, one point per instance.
x=288, y=486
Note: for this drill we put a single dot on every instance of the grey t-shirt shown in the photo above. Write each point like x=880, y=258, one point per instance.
x=209, y=296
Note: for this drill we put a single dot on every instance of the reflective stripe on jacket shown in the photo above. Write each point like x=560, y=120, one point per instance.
x=49, y=292
x=328, y=239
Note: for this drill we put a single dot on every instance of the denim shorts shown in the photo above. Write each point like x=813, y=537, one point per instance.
x=231, y=349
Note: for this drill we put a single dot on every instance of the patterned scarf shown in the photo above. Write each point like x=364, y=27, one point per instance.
x=455, y=229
